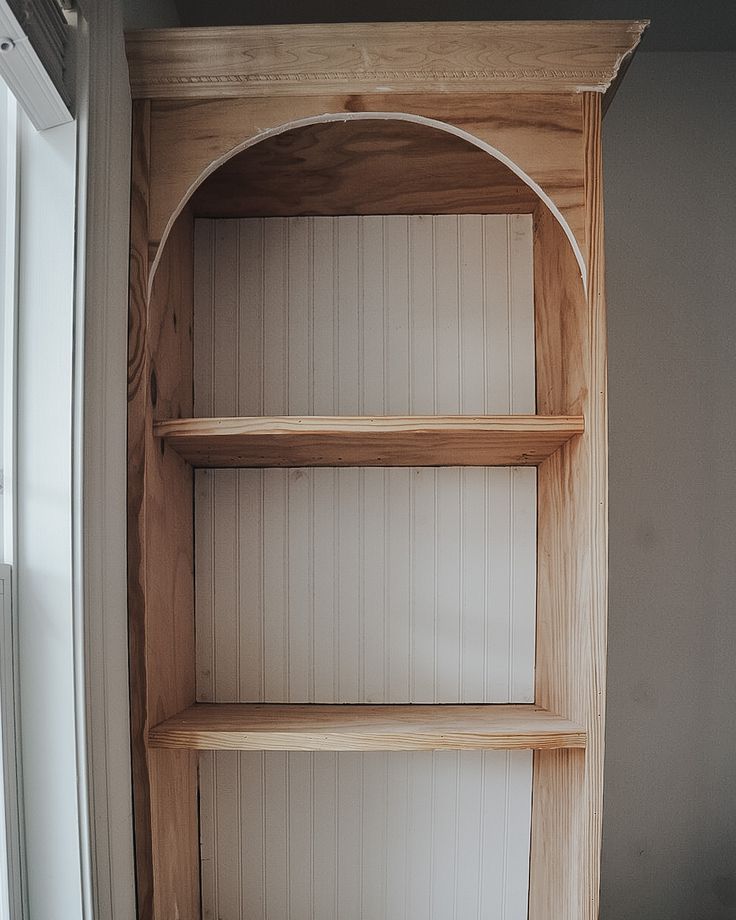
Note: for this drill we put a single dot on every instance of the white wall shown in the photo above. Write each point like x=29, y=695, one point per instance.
x=669, y=849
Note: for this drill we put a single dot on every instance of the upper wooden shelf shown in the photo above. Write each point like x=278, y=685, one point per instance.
x=342, y=727
x=389, y=57
x=431, y=440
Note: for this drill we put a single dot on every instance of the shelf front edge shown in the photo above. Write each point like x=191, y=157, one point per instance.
x=298, y=441
x=358, y=727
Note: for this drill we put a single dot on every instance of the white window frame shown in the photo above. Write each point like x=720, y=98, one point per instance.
x=23, y=72
x=12, y=864
x=42, y=684
x=92, y=874
x=12, y=881
x=46, y=595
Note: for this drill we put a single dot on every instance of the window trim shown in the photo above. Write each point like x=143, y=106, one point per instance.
x=22, y=70
x=14, y=891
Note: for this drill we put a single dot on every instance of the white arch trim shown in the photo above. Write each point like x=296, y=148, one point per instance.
x=372, y=116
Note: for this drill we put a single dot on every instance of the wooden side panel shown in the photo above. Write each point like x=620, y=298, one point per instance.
x=572, y=563
x=160, y=559
x=542, y=134
x=599, y=493
x=136, y=461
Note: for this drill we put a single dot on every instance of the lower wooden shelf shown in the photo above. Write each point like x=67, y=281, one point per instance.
x=348, y=727
x=430, y=440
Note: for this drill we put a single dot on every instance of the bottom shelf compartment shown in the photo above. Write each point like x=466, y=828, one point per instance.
x=397, y=835
x=344, y=727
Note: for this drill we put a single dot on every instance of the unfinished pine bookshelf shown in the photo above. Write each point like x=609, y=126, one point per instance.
x=390, y=119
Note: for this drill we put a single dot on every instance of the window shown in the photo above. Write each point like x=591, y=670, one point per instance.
x=40, y=697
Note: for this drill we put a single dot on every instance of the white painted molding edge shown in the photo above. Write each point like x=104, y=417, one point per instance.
x=11, y=834
x=104, y=469
x=22, y=70
x=15, y=898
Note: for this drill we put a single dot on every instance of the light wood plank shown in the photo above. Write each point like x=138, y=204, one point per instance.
x=572, y=557
x=294, y=441
x=276, y=60
x=311, y=727
x=160, y=558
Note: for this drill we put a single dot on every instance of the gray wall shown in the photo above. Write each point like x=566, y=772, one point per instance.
x=149, y=14
x=669, y=850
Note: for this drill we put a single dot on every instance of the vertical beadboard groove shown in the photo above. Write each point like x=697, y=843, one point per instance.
x=510, y=493
x=506, y=816
x=349, y=585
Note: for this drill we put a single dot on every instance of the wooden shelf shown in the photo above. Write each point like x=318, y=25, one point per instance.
x=430, y=440
x=342, y=727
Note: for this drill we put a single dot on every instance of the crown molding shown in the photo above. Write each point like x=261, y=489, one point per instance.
x=417, y=57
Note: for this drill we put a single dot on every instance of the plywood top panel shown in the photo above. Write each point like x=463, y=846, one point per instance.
x=310, y=727
x=387, y=441
x=519, y=56
x=364, y=167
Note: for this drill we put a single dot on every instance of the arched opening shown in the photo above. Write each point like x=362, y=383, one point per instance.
x=364, y=163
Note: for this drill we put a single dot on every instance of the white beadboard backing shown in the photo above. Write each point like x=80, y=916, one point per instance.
x=365, y=585
x=375, y=836
x=394, y=315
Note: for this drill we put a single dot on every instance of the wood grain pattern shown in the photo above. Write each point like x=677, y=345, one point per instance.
x=572, y=573
x=312, y=727
x=293, y=441
x=160, y=559
x=421, y=57
x=541, y=134
x=377, y=167
x=137, y=411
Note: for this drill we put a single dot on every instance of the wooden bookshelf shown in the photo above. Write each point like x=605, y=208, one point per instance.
x=345, y=727
x=386, y=109
x=290, y=441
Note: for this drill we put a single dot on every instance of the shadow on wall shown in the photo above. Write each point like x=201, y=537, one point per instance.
x=669, y=849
